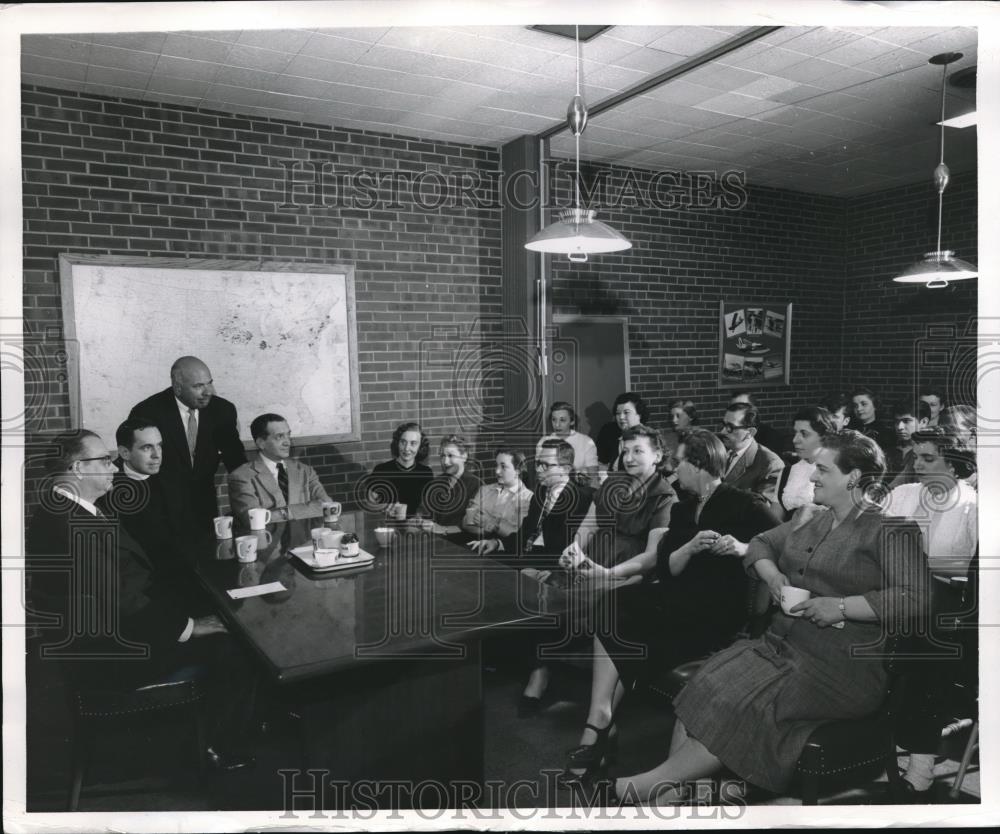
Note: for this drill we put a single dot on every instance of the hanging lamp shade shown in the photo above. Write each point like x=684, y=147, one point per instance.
x=577, y=233
x=939, y=268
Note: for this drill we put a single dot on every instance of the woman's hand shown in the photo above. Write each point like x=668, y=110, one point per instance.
x=775, y=583
x=729, y=546
x=571, y=557
x=703, y=540
x=484, y=546
x=821, y=611
x=587, y=568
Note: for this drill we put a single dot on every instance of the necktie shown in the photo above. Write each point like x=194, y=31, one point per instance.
x=546, y=509
x=192, y=432
x=730, y=461
x=283, y=481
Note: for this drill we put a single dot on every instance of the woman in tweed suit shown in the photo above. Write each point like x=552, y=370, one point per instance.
x=752, y=706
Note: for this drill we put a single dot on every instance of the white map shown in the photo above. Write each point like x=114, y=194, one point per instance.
x=274, y=341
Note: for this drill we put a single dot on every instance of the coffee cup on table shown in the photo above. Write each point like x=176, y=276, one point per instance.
x=246, y=548
x=398, y=512
x=384, y=535
x=330, y=539
x=259, y=517
x=223, y=526
x=792, y=596
x=325, y=557
x=331, y=510
x=316, y=534
x=350, y=550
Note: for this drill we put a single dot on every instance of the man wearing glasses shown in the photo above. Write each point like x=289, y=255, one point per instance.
x=749, y=465
x=557, y=508
x=116, y=627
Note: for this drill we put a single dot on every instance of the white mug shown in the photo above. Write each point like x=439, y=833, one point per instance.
x=223, y=526
x=331, y=510
x=316, y=534
x=259, y=517
x=330, y=539
x=398, y=512
x=246, y=548
x=792, y=596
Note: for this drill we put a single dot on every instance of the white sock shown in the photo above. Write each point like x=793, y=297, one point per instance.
x=920, y=771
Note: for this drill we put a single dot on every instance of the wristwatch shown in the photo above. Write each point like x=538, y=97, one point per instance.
x=843, y=608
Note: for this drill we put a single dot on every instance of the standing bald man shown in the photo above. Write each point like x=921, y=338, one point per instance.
x=199, y=429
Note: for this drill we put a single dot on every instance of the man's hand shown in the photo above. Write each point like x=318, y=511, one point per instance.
x=484, y=546
x=203, y=626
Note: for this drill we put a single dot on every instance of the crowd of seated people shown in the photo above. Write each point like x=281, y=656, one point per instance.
x=668, y=522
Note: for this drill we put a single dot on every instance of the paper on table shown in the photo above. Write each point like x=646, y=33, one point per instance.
x=256, y=590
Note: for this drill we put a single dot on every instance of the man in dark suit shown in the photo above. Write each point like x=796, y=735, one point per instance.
x=199, y=429
x=557, y=508
x=114, y=628
x=768, y=436
x=138, y=501
x=749, y=465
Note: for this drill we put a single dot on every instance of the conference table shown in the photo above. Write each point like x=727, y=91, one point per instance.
x=383, y=661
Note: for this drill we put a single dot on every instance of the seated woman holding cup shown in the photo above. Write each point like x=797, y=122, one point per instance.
x=752, y=707
x=498, y=510
x=398, y=485
x=697, y=573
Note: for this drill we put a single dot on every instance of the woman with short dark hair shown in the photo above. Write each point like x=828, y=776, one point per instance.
x=403, y=479
x=630, y=410
x=795, y=488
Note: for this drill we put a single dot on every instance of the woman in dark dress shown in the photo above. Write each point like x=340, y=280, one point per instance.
x=868, y=421
x=630, y=410
x=752, y=707
x=697, y=574
x=403, y=479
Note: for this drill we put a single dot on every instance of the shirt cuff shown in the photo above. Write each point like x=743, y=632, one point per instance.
x=188, y=630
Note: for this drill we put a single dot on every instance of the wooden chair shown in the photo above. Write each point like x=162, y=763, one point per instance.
x=97, y=712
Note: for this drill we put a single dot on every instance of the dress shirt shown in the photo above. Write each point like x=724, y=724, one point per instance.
x=798, y=488
x=184, y=411
x=498, y=510
x=90, y=508
x=950, y=534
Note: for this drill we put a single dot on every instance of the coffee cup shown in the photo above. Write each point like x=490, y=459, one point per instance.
x=398, y=512
x=259, y=517
x=384, y=535
x=331, y=510
x=223, y=526
x=325, y=557
x=246, y=548
x=316, y=534
x=792, y=596
x=350, y=549
x=330, y=539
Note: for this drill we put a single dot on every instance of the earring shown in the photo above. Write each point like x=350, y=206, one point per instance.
x=851, y=484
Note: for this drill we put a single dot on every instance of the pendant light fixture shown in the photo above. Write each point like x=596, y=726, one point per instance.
x=939, y=268
x=577, y=234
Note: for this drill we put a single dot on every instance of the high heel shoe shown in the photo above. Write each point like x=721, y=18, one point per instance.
x=601, y=752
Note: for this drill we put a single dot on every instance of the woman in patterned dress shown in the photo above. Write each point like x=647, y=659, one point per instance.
x=752, y=707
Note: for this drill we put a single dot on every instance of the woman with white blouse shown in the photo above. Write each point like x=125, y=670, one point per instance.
x=562, y=419
x=795, y=489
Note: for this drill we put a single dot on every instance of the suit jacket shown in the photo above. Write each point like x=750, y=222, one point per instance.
x=253, y=485
x=558, y=527
x=193, y=485
x=757, y=471
x=68, y=565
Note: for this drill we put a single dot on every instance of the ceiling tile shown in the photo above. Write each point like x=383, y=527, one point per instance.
x=896, y=60
x=650, y=61
x=421, y=63
x=295, y=86
x=252, y=57
x=640, y=35
x=242, y=77
x=178, y=87
x=201, y=49
x=760, y=57
x=65, y=49
x=119, y=77
x=733, y=104
x=139, y=41
x=688, y=40
x=282, y=40
x=309, y=67
x=904, y=35
x=820, y=41
x=184, y=68
x=358, y=33
x=227, y=36
x=129, y=59
x=722, y=78
x=53, y=68
x=332, y=48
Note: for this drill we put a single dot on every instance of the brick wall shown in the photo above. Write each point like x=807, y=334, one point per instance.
x=774, y=247
x=897, y=336
x=122, y=177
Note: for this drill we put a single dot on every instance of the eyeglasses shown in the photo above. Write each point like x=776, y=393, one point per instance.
x=731, y=428
x=543, y=465
x=106, y=458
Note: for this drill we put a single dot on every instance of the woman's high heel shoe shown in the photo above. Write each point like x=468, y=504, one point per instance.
x=601, y=752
